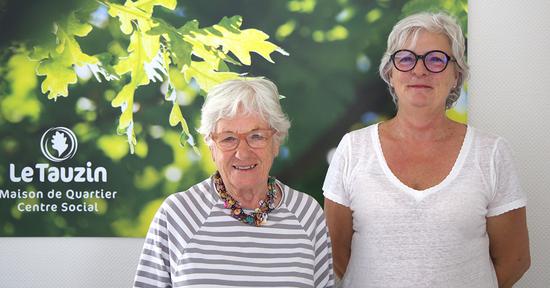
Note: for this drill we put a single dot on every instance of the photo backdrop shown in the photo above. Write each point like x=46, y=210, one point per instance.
x=91, y=140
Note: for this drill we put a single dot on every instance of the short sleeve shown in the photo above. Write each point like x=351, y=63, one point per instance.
x=323, y=274
x=507, y=192
x=154, y=265
x=335, y=187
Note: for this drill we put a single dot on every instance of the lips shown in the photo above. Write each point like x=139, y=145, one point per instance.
x=420, y=86
x=245, y=167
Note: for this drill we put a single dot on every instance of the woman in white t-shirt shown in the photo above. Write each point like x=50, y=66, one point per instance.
x=420, y=200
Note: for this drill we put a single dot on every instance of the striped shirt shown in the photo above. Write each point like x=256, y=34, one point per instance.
x=194, y=242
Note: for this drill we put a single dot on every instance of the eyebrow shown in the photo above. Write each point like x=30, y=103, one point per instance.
x=231, y=131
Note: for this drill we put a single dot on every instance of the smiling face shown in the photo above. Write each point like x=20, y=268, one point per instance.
x=420, y=87
x=244, y=168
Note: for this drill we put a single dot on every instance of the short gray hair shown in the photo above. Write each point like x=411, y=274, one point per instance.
x=253, y=95
x=408, y=29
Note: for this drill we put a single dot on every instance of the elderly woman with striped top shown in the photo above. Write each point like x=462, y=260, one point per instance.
x=240, y=227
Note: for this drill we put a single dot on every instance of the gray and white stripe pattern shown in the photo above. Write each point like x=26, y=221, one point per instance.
x=194, y=242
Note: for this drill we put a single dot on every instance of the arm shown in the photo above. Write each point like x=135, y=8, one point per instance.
x=340, y=227
x=323, y=274
x=154, y=265
x=509, y=246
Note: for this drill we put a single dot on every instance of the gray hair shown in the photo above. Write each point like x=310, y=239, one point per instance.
x=252, y=95
x=408, y=29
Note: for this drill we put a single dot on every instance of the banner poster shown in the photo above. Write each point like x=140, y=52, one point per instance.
x=100, y=100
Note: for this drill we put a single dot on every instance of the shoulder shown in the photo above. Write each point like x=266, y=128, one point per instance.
x=181, y=215
x=482, y=135
x=299, y=203
x=358, y=141
x=201, y=196
x=362, y=135
x=483, y=141
x=295, y=198
x=305, y=210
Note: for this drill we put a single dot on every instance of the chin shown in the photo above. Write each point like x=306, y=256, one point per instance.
x=420, y=100
x=245, y=185
x=246, y=179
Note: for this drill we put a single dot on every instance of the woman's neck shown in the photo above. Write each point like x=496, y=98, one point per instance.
x=420, y=126
x=248, y=198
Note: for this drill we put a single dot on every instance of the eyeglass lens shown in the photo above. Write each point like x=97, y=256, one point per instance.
x=255, y=139
x=434, y=61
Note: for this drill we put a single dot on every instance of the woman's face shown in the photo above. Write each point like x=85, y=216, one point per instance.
x=420, y=87
x=244, y=167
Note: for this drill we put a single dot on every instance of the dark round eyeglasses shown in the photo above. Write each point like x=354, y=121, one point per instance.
x=435, y=61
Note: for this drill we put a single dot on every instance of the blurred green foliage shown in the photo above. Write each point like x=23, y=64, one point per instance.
x=330, y=82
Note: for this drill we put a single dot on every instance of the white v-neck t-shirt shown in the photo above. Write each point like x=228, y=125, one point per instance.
x=431, y=238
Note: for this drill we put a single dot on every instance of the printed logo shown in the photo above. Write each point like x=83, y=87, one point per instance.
x=58, y=144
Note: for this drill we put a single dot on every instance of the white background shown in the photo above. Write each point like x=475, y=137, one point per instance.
x=509, y=55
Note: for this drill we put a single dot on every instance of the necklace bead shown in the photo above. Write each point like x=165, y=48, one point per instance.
x=259, y=216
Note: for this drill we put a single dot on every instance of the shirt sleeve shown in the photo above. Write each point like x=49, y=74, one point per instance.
x=507, y=192
x=154, y=265
x=335, y=185
x=323, y=274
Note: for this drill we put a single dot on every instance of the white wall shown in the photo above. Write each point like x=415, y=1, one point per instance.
x=68, y=262
x=509, y=52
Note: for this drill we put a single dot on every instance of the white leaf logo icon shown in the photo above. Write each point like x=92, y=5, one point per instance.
x=60, y=139
x=59, y=143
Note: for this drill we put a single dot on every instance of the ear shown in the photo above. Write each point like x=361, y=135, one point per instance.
x=455, y=85
x=457, y=75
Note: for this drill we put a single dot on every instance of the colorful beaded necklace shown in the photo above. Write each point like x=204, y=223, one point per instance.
x=259, y=216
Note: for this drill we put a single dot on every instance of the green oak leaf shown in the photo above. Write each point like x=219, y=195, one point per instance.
x=148, y=5
x=41, y=52
x=59, y=74
x=140, y=11
x=143, y=48
x=21, y=102
x=125, y=97
x=66, y=32
x=179, y=48
x=205, y=76
x=78, y=57
x=176, y=118
x=177, y=81
x=73, y=26
x=57, y=60
x=106, y=62
x=241, y=43
x=125, y=17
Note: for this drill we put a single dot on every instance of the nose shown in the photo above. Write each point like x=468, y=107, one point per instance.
x=243, y=150
x=420, y=68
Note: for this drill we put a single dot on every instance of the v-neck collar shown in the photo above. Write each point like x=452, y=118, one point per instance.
x=418, y=195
